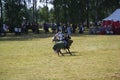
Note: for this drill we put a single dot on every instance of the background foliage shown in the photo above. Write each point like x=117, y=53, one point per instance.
x=73, y=11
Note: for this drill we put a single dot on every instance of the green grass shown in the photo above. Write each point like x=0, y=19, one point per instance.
x=30, y=57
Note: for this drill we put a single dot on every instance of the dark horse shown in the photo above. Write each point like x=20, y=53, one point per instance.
x=59, y=45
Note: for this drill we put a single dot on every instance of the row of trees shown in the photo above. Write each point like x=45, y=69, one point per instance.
x=76, y=11
x=14, y=12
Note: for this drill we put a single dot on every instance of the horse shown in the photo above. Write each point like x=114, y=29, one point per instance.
x=59, y=45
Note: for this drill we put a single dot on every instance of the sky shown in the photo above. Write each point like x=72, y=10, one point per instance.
x=50, y=6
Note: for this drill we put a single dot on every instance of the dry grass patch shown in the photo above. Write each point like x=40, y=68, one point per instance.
x=30, y=57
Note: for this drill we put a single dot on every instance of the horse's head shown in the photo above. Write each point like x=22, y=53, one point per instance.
x=69, y=43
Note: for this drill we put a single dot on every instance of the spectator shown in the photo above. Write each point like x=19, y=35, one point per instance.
x=69, y=30
x=5, y=29
x=81, y=28
x=46, y=28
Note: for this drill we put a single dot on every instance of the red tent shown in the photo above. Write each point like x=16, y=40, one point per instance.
x=114, y=21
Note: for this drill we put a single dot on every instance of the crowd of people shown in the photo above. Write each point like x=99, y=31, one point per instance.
x=47, y=27
x=18, y=30
x=106, y=29
x=27, y=27
x=69, y=28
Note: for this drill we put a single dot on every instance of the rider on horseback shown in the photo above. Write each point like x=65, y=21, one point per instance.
x=62, y=41
x=62, y=37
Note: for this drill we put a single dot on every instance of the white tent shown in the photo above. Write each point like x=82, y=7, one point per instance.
x=115, y=16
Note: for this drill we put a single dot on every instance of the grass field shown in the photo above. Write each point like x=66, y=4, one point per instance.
x=30, y=57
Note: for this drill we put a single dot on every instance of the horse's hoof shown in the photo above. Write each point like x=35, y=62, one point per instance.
x=62, y=55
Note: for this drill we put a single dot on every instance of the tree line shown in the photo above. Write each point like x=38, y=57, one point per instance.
x=14, y=12
x=76, y=11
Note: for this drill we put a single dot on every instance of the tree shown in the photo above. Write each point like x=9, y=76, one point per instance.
x=46, y=8
x=73, y=11
x=42, y=12
x=35, y=11
x=14, y=12
x=1, y=17
x=51, y=16
x=77, y=11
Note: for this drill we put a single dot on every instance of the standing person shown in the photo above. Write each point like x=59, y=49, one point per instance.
x=63, y=28
x=16, y=30
x=37, y=28
x=81, y=28
x=54, y=28
x=5, y=28
x=69, y=30
x=58, y=24
x=74, y=26
x=19, y=30
x=46, y=27
x=60, y=28
x=25, y=28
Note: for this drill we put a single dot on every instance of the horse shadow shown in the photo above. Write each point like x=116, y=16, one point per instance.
x=74, y=53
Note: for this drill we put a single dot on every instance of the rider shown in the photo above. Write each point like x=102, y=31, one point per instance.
x=66, y=39
x=58, y=37
x=62, y=37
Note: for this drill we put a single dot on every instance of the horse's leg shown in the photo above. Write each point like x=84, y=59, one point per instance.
x=61, y=53
x=69, y=51
x=57, y=52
